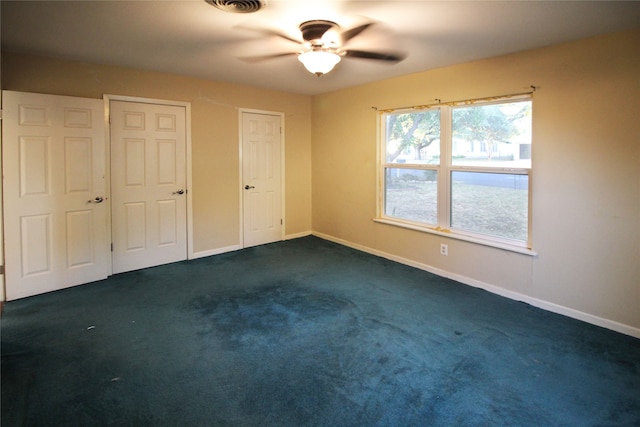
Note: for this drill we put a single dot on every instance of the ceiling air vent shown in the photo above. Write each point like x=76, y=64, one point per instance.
x=238, y=6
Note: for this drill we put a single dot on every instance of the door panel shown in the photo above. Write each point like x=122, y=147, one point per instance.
x=262, y=181
x=54, y=166
x=148, y=184
x=79, y=238
x=78, y=165
x=135, y=215
x=34, y=166
x=35, y=231
x=167, y=231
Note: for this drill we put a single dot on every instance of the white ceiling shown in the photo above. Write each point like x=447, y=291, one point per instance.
x=191, y=37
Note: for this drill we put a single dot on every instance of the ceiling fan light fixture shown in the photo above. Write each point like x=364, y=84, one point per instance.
x=319, y=62
x=238, y=6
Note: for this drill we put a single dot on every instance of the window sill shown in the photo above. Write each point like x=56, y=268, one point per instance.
x=453, y=235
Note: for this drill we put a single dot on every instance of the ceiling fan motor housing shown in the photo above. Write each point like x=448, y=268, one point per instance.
x=314, y=30
x=238, y=6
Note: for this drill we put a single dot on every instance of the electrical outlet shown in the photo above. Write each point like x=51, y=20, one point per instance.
x=444, y=249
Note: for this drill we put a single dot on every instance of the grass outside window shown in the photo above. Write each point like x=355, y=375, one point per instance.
x=464, y=169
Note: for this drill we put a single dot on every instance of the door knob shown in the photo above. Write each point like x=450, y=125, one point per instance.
x=181, y=191
x=249, y=187
x=96, y=200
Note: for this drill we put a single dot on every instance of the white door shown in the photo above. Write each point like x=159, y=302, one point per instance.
x=55, y=225
x=262, y=178
x=148, y=184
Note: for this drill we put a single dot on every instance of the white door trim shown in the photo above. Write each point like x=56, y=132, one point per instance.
x=3, y=296
x=187, y=105
x=240, y=168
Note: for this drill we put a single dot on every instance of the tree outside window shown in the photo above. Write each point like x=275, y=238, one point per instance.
x=460, y=167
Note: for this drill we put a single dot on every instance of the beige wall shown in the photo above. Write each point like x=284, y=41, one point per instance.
x=214, y=115
x=586, y=176
x=586, y=181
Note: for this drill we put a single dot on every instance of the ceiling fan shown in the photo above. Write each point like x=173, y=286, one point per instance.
x=323, y=46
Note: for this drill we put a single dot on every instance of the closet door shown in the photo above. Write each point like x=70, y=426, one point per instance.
x=53, y=156
x=148, y=184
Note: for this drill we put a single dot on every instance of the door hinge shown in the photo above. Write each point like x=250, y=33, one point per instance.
x=281, y=223
x=1, y=269
x=112, y=247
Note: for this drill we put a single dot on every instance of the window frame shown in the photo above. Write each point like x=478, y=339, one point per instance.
x=444, y=170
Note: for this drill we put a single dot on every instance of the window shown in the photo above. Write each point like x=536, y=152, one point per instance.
x=459, y=168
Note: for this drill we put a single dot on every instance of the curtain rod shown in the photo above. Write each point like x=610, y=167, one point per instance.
x=461, y=101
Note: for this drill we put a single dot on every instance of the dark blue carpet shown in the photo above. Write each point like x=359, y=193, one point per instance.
x=306, y=333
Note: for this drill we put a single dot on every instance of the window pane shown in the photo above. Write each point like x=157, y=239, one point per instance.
x=413, y=137
x=411, y=194
x=490, y=203
x=492, y=135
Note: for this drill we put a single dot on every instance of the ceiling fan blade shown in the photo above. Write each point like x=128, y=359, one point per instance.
x=260, y=58
x=382, y=56
x=349, y=34
x=271, y=32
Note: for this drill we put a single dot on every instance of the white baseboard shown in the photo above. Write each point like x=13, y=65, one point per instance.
x=217, y=251
x=297, y=235
x=545, y=305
